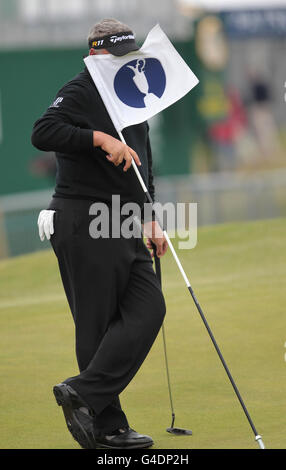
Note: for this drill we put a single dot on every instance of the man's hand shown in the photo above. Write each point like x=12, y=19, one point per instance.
x=117, y=151
x=154, y=233
x=46, y=224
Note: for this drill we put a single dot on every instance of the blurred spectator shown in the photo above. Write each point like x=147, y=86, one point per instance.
x=259, y=101
x=224, y=134
x=44, y=165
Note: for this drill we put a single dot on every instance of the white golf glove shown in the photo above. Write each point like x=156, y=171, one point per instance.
x=46, y=224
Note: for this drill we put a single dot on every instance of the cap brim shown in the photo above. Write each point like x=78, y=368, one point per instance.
x=122, y=49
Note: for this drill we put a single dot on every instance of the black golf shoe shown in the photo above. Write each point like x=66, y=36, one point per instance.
x=125, y=438
x=79, y=417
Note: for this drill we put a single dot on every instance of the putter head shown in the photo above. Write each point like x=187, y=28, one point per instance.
x=179, y=431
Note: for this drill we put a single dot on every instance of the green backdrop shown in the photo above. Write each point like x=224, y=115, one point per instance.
x=29, y=80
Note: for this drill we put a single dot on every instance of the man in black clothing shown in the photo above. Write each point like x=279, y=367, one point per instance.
x=113, y=293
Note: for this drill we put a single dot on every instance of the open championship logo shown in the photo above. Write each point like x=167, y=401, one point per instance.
x=140, y=82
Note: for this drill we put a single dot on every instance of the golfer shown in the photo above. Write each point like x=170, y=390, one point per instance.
x=112, y=290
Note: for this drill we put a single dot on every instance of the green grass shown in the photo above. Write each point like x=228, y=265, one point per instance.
x=238, y=273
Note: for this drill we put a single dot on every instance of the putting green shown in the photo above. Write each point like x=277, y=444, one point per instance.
x=238, y=274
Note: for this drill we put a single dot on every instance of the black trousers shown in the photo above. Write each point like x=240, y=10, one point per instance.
x=117, y=306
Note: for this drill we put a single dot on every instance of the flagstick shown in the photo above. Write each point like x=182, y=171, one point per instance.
x=166, y=236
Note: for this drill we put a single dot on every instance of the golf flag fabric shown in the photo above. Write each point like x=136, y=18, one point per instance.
x=138, y=85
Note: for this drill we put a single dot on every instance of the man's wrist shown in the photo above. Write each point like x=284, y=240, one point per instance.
x=98, y=138
x=152, y=229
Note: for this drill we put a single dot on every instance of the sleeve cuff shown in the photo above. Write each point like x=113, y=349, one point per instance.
x=86, y=139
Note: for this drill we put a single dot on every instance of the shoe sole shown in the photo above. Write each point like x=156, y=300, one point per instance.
x=76, y=429
x=136, y=446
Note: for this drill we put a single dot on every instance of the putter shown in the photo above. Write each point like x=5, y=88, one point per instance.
x=171, y=429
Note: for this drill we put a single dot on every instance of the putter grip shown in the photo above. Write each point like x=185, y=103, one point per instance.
x=157, y=264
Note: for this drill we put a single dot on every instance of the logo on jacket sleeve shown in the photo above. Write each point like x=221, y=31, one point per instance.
x=57, y=102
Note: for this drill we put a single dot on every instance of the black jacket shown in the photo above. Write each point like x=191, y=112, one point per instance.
x=83, y=171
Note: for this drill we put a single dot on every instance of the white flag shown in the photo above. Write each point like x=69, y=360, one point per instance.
x=138, y=85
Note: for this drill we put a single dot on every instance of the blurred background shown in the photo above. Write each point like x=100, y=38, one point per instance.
x=222, y=146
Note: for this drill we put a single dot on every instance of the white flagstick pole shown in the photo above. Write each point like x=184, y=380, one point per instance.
x=166, y=236
x=257, y=436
